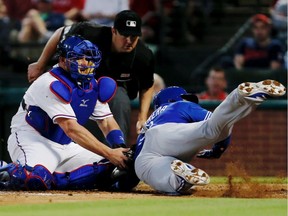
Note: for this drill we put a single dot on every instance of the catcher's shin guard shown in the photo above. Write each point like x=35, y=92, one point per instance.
x=25, y=177
x=88, y=176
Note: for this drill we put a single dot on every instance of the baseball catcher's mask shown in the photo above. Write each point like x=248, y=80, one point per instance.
x=172, y=94
x=82, y=57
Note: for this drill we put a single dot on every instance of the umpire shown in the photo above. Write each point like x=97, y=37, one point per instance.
x=125, y=58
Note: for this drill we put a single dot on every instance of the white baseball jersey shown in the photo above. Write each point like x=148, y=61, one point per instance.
x=27, y=146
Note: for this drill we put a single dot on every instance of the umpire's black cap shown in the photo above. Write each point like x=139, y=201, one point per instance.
x=128, y=23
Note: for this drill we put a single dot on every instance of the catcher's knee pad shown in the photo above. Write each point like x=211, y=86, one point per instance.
x=85, y=177
x=39, y=178
x=31, y=178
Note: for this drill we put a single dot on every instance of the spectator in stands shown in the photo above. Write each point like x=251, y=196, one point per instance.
x=196, y=16
x=279, y=20
x=259, y=51
x=4, y=23
x=39, y=24
x=70, y=8
x=149, y=11
x=5, y=26
x=17, y=9
x=103, y=12
x=216, y=84
x=175, y=16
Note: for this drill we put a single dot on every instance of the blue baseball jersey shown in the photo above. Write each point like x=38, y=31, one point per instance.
x=177, y=112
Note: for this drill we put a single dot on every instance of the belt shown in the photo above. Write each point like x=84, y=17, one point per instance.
x=23, y=104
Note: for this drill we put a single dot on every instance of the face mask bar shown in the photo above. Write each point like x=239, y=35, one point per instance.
x=82, y=62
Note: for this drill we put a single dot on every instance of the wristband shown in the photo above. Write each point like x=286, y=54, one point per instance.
x=115, y=137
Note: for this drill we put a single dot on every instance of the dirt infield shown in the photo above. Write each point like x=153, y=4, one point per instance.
x=237, y=190
x=242, y=186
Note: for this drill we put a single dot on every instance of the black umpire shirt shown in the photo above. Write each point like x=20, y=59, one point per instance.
x=133, y=70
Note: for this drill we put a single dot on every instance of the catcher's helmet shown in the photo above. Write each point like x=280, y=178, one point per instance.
x=75, y=48
x=172, y=94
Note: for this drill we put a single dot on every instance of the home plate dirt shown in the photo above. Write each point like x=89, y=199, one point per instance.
x=237, y=190
x=241, y=186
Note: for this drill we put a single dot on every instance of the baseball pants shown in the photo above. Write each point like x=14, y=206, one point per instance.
x=28, y=147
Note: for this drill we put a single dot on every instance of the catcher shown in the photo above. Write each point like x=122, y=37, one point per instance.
x=48, y=124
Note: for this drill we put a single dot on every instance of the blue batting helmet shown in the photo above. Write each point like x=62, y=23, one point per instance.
x=75, y=48
x=172, y=94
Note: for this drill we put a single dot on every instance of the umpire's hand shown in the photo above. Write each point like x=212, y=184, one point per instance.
x=139, y=125
x=34, y=71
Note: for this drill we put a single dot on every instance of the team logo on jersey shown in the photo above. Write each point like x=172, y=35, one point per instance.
x=29, y=112
x=130, y=23
x=83, y=104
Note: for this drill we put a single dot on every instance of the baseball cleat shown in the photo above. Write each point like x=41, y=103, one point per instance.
x=261, y=90
x=189, y=173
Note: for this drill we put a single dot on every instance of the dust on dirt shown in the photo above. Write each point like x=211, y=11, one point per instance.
x=241, y=185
